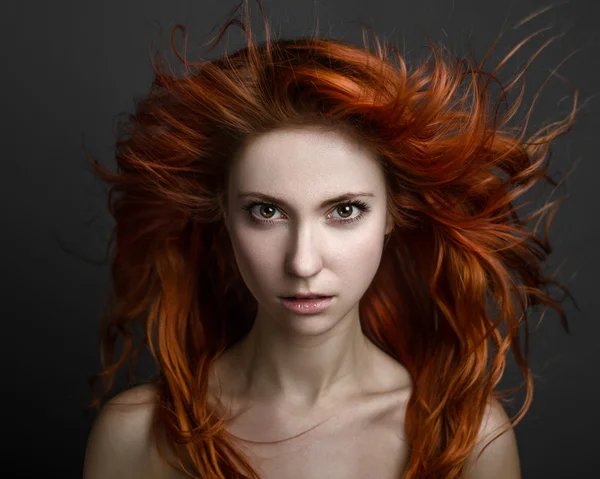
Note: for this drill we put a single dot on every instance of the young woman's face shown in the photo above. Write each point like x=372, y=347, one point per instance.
x=298, y=243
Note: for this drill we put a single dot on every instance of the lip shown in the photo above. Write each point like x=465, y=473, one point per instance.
x=307, y=306
x=307, y=295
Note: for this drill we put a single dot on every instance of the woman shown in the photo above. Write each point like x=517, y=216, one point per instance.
x=314, y=168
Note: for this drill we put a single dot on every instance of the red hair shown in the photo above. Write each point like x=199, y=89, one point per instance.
x=459, y=265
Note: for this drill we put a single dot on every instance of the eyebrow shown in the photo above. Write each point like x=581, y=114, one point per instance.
x=330, y=201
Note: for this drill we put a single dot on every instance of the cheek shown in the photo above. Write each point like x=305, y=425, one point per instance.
x=256, y=258
x=357, y=262
x=354, y=260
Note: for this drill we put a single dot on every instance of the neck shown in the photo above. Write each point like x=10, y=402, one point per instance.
x=302, y=370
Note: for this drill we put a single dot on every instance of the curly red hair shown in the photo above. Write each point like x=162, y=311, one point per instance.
x=459, y=266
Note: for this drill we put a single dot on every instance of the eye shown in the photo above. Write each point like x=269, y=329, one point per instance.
x=268, y=209
x=347, y=208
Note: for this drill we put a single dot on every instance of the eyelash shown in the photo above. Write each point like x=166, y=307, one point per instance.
x=361, y=205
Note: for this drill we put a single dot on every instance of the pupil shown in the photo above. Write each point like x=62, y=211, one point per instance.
x=267, y=207
x=348, y=207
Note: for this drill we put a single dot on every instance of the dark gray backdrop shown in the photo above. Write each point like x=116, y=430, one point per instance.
x=70, y=67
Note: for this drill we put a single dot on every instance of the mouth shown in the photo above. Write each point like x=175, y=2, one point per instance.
x=296, y=298
x=304, y=305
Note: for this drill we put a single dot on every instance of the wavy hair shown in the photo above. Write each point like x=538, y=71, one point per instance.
x=461, y=267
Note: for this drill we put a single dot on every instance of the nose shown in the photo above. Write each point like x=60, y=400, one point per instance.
x=304, y=258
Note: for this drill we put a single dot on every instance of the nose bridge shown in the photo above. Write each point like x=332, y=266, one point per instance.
x=304, y=255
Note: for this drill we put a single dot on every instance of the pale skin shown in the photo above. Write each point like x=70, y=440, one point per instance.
x=292, y=372
x=289, y=358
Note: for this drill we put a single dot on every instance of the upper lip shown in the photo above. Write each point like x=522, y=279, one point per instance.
x=304, y=295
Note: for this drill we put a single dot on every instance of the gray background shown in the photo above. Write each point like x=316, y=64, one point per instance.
x=71, y=67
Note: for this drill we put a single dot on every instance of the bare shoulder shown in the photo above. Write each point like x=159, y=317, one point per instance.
x=120, y=443
x=501, y=458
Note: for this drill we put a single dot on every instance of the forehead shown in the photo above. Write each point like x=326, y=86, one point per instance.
x=302, y=161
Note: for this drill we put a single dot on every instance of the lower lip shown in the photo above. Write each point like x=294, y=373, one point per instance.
x=307, y=306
